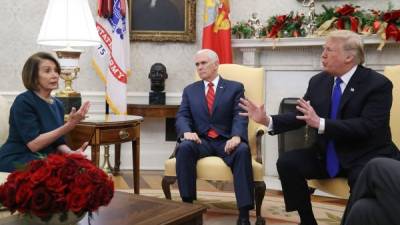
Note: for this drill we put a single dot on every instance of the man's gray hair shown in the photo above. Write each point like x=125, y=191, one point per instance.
x=352, y=42
x=210, y=53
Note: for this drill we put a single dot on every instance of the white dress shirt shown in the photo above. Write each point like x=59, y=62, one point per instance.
x=215, y=82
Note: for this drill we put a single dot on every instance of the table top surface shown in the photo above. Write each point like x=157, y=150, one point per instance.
x=130, y=209
x=110, y=119
x=152, y=106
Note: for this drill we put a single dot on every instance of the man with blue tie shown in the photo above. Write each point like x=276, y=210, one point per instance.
x=208, y=123
x=348, y=106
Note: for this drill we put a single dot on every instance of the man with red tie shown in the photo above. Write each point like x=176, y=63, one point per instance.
x=208, y=123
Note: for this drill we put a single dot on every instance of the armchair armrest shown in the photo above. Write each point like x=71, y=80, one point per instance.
x=175, y=149
x=260, y=131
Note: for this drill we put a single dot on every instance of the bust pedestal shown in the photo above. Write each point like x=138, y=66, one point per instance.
x=157, y=98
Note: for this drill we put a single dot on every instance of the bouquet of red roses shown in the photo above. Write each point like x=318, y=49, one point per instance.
x=57, y=184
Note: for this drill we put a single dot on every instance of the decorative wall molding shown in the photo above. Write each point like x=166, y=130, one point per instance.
x=292, y=42
x=303, y=53
x=97, y=98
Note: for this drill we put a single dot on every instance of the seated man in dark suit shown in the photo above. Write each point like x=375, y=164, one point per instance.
x=376, y=195
x=348, y=106
x=208, y=122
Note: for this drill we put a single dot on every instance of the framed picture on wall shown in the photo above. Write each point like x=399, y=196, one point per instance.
x=162, y=20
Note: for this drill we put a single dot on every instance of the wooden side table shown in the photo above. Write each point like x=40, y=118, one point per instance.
x=159, y=111
x=109, y=129
x=166, y=111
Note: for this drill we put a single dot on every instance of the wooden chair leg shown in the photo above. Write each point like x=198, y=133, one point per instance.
x=259, y=193
x=166, y=183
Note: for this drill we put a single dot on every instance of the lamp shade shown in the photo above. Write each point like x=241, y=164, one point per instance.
x=68, y=23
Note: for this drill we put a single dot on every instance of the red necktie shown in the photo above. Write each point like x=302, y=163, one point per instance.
x=210, y=102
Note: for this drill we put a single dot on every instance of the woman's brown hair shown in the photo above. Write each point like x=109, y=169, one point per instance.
x=30, y=71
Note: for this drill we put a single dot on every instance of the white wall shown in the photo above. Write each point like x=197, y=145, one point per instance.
x=20, y=23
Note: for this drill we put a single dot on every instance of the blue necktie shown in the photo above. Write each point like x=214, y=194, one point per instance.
x=332, y=161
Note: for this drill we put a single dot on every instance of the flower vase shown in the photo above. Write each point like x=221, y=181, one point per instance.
x=68, y=218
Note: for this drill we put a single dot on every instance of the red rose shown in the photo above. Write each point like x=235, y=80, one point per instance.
x=68, y=172
x=106, y=190
x=94, y=202
x=41, y=203
x=77, y=202
x=40, y=175
x=101, y=195
x=36, y=164
x=346, y=10
x=7, y=196
x=23, y=197
x=18, y=177
x=97, y=175
x=82, y=184
x=56, y=161
x=81, y=161
x=55, y=184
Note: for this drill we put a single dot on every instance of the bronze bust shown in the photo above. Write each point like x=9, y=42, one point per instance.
x=158, y=74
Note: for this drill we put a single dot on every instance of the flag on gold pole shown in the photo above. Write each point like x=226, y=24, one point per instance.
x=217, y=29
x=111, y=58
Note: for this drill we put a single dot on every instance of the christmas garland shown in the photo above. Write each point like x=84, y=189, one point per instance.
x=290, y=25
x=386, y=24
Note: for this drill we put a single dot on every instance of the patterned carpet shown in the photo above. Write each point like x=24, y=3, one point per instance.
x=273, y=208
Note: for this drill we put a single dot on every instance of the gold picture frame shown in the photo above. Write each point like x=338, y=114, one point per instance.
x=162, y=20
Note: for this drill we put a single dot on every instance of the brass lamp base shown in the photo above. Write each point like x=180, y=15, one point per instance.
x=69, y=58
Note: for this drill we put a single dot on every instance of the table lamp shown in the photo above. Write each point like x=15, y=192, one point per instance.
x=68, y=23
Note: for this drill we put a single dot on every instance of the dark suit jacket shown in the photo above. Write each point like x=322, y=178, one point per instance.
x=361, y=130
x=193, y=115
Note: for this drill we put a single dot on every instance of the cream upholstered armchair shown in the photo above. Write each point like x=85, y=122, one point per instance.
x=4, y=114
x=213, y=168
x=339, y=186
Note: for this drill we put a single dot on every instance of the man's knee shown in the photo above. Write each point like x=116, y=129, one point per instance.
x=285, y=160
x=363, y=211
x=185, y=148
x=242, y=151
x=378, y=166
